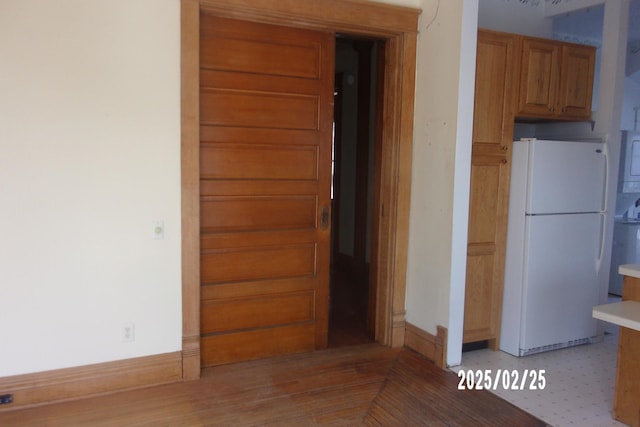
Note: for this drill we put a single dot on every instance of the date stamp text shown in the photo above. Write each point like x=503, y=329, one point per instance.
x=507, y=379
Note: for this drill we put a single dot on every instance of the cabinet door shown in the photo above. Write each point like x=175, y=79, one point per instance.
x=576, y=81
x=539, y=74
x=490, y=169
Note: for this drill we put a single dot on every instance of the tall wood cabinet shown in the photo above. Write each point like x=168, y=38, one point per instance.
x=490, y=171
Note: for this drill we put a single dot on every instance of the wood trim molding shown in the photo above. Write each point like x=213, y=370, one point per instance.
x=360, y=17
x=78, y=382
x=398, y=27
x=190, y=184
x=432, y=347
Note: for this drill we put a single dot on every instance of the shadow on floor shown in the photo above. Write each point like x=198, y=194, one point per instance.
x=347, y=311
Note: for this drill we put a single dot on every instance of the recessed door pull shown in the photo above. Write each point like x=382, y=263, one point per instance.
x=324, y=217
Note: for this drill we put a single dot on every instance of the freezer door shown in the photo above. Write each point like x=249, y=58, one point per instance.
x=566, y=176
x=560, y=279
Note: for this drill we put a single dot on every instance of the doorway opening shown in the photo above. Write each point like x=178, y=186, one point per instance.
x=358, y=82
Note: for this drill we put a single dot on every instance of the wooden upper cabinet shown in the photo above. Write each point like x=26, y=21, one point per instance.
x=576, y=83
x=556, y=80
x=539, y=76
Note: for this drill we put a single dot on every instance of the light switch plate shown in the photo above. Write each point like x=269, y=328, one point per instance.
x=158, y=230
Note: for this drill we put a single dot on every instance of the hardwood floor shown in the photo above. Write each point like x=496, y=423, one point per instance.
x=360, y=385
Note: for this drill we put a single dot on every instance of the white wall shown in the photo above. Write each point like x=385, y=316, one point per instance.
x=633, y=56
x=631, y=101
x=630, y=104
x=519, y=17
x=441, y=168
x=90, y=143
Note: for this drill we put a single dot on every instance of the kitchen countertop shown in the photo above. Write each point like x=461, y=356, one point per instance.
x=625, y=313
x=632, y=270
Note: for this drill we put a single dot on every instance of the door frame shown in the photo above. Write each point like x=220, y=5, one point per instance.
x=398, y=27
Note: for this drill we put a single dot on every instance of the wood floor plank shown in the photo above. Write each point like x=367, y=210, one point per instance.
x=350, y=386
x=415, y=393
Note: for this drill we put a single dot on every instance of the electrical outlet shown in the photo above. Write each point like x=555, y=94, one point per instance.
x=5, y=399
x=129, y=332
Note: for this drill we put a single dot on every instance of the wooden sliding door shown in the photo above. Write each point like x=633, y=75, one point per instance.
x=266, y=114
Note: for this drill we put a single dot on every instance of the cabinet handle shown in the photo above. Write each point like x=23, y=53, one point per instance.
x=503, y=161
x=505, y=148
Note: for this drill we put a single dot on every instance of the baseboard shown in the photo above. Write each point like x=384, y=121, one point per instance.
x=398, y=329
x=432, y=347
x=191, y=357
x=73, y=383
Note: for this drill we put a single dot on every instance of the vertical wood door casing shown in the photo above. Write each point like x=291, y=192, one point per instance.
x=266, y=113
x=372, y=304
x=396, y=25
x=190, y=185
x=489, y=192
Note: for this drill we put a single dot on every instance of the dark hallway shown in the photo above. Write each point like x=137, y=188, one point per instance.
x=356, y=80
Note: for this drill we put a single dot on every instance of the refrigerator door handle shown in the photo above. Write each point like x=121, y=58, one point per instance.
x=603, y=217
x=603, y=212
x=606, y=174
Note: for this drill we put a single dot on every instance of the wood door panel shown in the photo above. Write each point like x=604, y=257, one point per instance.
x=216, y=27
x=489, y=108
x=253, y=344
x=266, y=105
x=253, y=187
x=537, y=89
x=257, y=213
x=574, y=91
x=269, y=262
x=258, y=82
x=256, y=312
x=249, y=56
x=246, y=161
x=484, y=202
x=576, y=84
x=479, y=293
x=538, y=77
x=234, y=290
x=260, y=238
x=258, y=109
x=280, y=137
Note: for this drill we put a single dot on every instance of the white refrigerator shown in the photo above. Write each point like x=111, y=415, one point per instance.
x=554, y=245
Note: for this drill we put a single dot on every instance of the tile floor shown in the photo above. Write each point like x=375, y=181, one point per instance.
x=579, y=381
